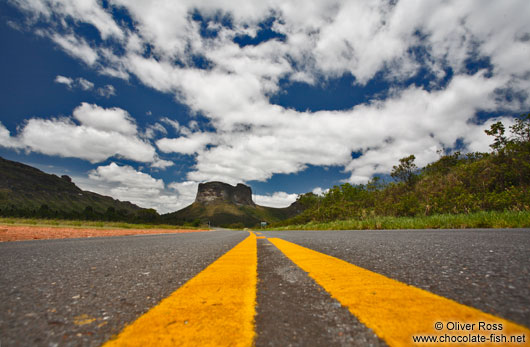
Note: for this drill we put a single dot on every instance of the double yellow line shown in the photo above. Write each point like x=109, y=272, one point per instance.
x=217, y=307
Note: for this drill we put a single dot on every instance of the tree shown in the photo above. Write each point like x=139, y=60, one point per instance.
x=374, y=184
x=44, y=211
x=88, y=213
x=444, y=164
x=521, y=129
x=147, y=215
x=512, y=154
x=405, y=171
x=497, y=131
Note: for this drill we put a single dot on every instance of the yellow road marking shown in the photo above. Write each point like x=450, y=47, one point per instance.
x=261, y=237
x=393, y=310
x=215, y=308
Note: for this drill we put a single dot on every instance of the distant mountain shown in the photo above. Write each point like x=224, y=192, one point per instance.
x=222, y=204
x=28, y=192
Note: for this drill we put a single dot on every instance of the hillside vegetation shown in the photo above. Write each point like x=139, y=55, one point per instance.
x=455, y=184
x=27, y=192
x=228, y=215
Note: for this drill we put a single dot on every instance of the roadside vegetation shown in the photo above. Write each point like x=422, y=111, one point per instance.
x=457, y=191
x=484, y=219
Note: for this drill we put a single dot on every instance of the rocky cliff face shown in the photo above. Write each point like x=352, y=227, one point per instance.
x=212, y=192
x=221, y=204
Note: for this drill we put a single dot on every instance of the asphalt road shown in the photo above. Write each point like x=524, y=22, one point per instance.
x=51, y=290
x=80, y=292
x=486, y=269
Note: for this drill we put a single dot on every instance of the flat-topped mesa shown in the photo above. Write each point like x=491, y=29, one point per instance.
x=212, y=192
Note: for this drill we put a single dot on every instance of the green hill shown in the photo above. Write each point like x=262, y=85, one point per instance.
x=221, y=204
x=28, y=192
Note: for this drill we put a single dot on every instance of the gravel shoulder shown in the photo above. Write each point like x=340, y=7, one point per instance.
x=23, y=232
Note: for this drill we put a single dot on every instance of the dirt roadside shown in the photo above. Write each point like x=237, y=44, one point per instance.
x=23, y=232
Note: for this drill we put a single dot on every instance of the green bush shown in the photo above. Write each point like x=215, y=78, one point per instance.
x=455, y=184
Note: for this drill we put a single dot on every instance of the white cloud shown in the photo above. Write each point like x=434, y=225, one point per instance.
x=76, y=47
x=67, y=81
x=175, y=124
x=278, y=199
x=85, y=84
x=412, y=121
x=252, y=139
x=162, y=164
x=319, y=191
x=191, y=144
x=114, y=173
x=127, y=184
x=6, y=140
x=186, y=192
x=87, y=11
x=152, y=130
x=64, y=138
x=101, y=134
x=106, y=119
x=70, y=83
x=107, y=91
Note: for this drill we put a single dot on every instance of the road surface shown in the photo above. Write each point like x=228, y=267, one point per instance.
x=298, y=288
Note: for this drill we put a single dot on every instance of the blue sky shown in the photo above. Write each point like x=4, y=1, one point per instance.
x=143, y=102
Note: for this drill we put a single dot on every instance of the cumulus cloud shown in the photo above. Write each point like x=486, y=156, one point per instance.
x=106, y=119
x=252, y=139
x=67, y=81
x=278, y=199
x=191, y=144
x=64, y=138
x=99, y=134
x=107, y=91
x=6, y=140
x=319, y=191
x=186, y=191
x=127, y=184
x=114, y=173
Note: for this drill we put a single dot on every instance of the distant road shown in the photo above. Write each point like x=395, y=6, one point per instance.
x=86, y=291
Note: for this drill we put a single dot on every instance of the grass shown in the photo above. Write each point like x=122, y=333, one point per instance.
x=86, y=224
x=486, y=219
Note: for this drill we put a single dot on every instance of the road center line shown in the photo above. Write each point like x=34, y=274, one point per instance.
x=394, y=310
x=214, y=308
